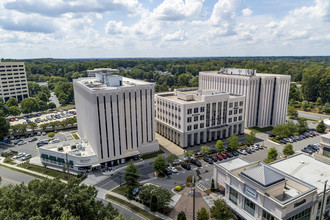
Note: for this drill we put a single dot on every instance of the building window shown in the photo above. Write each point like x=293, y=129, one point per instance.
x=235, y=111
x=202, y=109
x=249, y=206
x=304, y=215
x=229, y=120
x=202, y=117
x=241, y=103
x=230, y=112
x=240, y=118
x=233, y=195
x=230, y=105
x=195, y=126
x=196, y=118
x=195, y=110
x=240, y=110
x=189, y=128
x=267, y=216
x=235, y=118
x=236, y=104
x=201, y=125
x=189, y=111
x=189, y=119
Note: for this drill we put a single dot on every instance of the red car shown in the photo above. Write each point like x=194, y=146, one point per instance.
x=225, y=156
x=12, y=119
x=219, y=156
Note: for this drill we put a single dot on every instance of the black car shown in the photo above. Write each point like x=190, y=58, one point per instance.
x=196, y=162
x=33, y=139
x=229, y=154
x=214, y=158
x=17, y=141
x=168, y=171
x=186, y=166
x=213, y=151
x=208, y=160
x=198, y=153
x=235, y=153
x=248, y=150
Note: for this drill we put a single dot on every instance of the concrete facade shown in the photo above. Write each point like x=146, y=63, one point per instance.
x=325, y=145
x=117, y=121
x=13, y=81
x=189, y=116
x=272, y=192
x=266, y=95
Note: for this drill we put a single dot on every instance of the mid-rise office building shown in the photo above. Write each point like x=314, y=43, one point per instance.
x=266, y=94
x=189, y=116
x=92, y=73
x=13, y=81
x=116, y=115
x=325, y=145
x=288, y=189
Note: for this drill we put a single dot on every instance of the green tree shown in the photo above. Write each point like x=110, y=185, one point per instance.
x=12, y=101
x=233, y=143
x=205, y=150
x=321, y=127
x=212, y=185
x=159, y=164
x=221, y=211
x=203, y=214
x=14, y=110
x=219, y=146
x=129, y=192
x=171, y=158
x=131, y=174
x=4, y=108
x=4, y=126
x=33, y=126
x=295, y=93
x=304, y=105
x=319, y=101
x=181, y=216
x=42, y=96
x=292, y=112
x=272, y=155
x=251, y=138
x=189, y=154
x=288, y=150
x=153, y=204
x=64, y=92
x=52, y=199
x=34, y=88
x=29, y=105
x=162, y=194
x=302, y=125
x=51, y=105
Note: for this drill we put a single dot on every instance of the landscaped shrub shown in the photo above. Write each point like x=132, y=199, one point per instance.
x=178, y=188
x=51, y=134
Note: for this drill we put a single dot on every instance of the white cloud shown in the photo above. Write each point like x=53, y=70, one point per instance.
x=176, y=36
x=247, y=12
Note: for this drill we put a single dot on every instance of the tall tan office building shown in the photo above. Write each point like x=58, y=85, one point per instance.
x=116, y=115
x=266, y=95
x=13, y=81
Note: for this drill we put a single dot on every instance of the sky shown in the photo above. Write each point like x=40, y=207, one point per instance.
x=163, y=28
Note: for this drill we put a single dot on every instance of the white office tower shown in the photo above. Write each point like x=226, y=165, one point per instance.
x=116, y=115
x=266, y=95
x=13, y=81
x=189, y=116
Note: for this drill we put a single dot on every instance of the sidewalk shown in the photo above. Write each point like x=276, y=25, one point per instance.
x=139, y=205
x=26, y=170
x=168, y=145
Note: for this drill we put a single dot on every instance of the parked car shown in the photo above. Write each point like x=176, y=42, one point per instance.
x=173, y=169
x=177, y=161
x=167, y=171
x=19, y=155
x=17, y=141
x=248, y=150
x=136, y=191
x=27, y=156
x=208, y=160
x=214, y=158
x=229, y=154
x=213, y=151
x=54, y=141
x=224, y=155
x=196, y=162
x=39, y=133
x=219, y=156
x=43, y=133
x=235, y=153
x=21, y=142
x=186, y=166
x=242, y=151
x=33, y=139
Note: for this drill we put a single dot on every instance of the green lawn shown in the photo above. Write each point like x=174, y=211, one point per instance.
x=9, y=160
x=143, y=212
x=120, y=189
x=22, y=171
x=309, y=119
x=75, y=136
x=261, y=130
x=69, y=106
x=151, y=155
x=49, y=172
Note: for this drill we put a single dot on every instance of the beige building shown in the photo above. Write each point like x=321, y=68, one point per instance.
x=189, y=116
x=13, y=81
x=288, y=189
x=116, y=115
x=266, y=95
x=325, y=145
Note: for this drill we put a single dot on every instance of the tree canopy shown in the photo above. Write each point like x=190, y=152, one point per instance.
x=159, y=164
x=233, y=143
x=288, y=150
x=221, y=211
x=52, y=199
x=219, y=146
x=131, y=174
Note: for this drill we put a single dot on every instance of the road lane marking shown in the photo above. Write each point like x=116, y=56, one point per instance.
x=11, y=180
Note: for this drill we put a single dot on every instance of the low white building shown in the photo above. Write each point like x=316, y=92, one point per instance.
x=78, y=154
x=92, y=73
x=189, y=116
x=288, y=189
x=325, y=145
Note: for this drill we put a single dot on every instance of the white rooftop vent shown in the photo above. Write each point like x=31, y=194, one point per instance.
x=302, y=162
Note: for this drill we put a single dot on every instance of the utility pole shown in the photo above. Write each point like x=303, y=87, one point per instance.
x=193, y=182
x=323, y=199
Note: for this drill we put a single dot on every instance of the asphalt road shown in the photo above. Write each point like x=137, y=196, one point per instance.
x=12, y=177
x=53, y=98
x=312, y=115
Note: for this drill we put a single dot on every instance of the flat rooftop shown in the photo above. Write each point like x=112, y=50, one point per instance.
x=79, y=148
x=233, y=164
x=236, y=75
x=92, y=84
x=305, y=168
